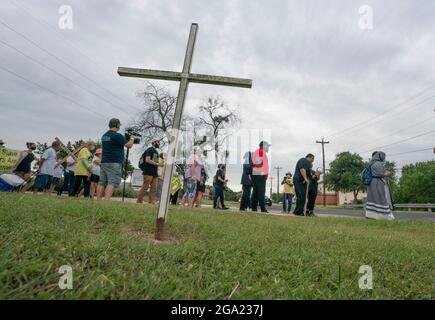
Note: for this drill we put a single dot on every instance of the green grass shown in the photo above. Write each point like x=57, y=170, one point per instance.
x=210, y=256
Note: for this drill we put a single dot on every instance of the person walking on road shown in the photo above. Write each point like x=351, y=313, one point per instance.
x=379, y=205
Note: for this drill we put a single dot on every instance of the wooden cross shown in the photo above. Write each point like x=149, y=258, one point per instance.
x=184, y=78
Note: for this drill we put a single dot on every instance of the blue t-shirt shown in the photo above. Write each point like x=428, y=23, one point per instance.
x=113, y=147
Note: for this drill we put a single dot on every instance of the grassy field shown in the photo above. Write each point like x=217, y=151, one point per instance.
x=210, y=255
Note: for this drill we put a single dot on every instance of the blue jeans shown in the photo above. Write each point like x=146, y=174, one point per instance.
x=218, y=193
x=287, y=200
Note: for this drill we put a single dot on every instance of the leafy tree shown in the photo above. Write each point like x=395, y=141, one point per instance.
x=130, y=169
x=417, y=184
x=344, y=174
x=230, y=195
x=392, y=179
x=41, y=147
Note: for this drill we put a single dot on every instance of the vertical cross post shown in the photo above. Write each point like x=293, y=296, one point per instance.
x=173, y=140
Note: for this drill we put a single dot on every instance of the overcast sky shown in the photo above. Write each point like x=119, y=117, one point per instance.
x=316, y=71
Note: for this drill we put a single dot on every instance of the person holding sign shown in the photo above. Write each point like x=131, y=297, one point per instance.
x=46, y=166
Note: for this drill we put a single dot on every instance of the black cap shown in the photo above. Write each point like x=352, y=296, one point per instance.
x=114, y=123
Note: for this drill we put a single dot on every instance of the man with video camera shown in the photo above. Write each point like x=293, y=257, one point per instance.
x=112, y=159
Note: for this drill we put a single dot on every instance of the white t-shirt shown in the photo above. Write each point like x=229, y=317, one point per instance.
x=95, y=167
x=57, y=172
x=49, y=156
x=71, y=164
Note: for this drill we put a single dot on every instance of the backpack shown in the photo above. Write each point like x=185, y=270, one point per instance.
x=366, y=176
x=142, y=162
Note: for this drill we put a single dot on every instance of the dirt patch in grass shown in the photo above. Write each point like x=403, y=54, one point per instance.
x=140, y=234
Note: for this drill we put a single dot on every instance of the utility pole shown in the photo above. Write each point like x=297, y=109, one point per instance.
x=323, y=142
x=271, y=180
x=277, y=188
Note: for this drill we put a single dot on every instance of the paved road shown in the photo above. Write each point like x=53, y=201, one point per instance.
x=349, y=213
x=345, y=213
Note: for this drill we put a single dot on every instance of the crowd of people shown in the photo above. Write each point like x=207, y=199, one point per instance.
x=97, y=172
x=88, y=171
x=303, y=185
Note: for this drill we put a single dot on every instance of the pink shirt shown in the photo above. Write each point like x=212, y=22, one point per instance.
x=259, y=157
x=194, y=159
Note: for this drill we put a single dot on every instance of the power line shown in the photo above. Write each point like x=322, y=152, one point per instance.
x=401, y=141
x=392, y=116
x=55, y=57
x=52, y=92
x=59, y=74
x=408, y=152
x=55, y=31
x=393, y=108
x=402, y=130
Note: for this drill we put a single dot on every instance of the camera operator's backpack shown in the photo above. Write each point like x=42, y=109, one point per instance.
x=366, y=176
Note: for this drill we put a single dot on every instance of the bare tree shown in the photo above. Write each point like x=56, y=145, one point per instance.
x=158, y=116
x=216, y=117
x=208, y=129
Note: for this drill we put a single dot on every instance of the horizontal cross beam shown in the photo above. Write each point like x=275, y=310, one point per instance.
x=218, y=80
x=177, y=76
x=149, y=74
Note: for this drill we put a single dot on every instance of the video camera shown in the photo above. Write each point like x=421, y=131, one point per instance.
x=132, y=132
